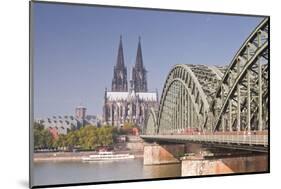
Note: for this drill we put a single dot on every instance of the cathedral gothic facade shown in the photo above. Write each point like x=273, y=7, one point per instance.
x=128, y=102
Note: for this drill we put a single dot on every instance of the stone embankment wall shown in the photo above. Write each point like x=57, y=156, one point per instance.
x=134, y=143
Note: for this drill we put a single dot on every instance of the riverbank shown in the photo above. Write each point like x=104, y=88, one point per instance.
x=75, y=156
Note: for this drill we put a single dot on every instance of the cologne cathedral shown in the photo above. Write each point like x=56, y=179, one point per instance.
x=128, y=102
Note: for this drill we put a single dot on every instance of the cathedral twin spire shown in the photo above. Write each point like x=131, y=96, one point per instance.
x=120, y=57
x=119, y=81
x=139, y=72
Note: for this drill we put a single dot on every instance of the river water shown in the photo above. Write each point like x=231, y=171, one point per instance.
x=46, y=173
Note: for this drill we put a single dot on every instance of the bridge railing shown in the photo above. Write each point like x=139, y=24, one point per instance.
x=234, y=139
x=247, y=139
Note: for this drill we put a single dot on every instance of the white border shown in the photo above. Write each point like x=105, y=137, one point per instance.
x=14, y=89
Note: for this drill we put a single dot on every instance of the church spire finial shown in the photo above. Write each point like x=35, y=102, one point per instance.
x=120, y=55
x=139, y=72
x=139, y=61
x=119, y=81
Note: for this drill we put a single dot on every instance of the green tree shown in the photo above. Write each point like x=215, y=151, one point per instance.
x=71, y=139
x=88, y=137
x=47, y=139
x=60, y=142
x=127, y=128
x=105, y=135
x=42, y=137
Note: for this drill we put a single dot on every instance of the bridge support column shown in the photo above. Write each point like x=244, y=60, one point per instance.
x=193, y=166
x=155, y=154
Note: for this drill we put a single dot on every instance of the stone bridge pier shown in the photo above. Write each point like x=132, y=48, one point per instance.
x=165, y=153
x=196, y=159
x=224, y=164
x=155, y=153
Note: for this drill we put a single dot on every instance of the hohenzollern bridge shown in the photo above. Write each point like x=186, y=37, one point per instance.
x=224, y=107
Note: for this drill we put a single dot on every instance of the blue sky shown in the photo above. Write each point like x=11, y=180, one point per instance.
x=75, y=49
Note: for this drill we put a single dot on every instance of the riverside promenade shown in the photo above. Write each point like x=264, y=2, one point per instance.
x=75, y=156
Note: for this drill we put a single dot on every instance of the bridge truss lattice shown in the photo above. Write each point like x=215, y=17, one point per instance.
x=210, y=99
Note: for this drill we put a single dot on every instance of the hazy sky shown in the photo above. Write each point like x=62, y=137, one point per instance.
x=75, y=49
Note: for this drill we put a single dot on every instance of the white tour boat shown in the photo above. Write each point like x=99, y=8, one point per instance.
x=107, y=156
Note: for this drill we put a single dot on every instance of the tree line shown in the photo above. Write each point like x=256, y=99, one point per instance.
x=85, y=138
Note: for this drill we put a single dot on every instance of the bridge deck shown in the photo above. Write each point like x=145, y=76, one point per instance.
x=250, y=140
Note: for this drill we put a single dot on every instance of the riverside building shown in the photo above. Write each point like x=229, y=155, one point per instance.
x=62, y=124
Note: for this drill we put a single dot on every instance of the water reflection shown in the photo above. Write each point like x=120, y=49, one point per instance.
x=167, y=170
x=75, y=172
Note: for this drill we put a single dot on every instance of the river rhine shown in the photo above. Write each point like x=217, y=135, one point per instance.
x=46, y=173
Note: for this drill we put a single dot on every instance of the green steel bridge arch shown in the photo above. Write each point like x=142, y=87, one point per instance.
x=211, y=100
